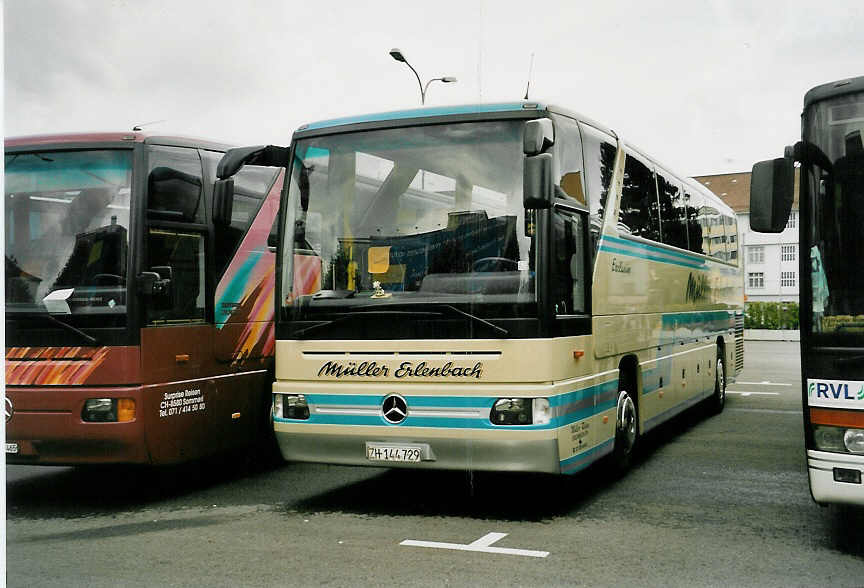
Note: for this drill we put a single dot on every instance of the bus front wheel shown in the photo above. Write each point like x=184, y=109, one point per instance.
x=626, y=431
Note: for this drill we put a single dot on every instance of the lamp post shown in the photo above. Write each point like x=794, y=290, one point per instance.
x=396, y=54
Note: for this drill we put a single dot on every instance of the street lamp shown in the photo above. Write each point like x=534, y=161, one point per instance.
x=396, y=54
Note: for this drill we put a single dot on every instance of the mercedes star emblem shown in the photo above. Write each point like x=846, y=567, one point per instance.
x=394, y=408
x=9, y=410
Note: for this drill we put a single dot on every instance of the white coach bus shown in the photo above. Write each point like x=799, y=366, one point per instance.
x=507, y=287
x=831, y=158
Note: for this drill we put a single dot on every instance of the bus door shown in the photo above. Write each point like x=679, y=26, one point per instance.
x=181, y=394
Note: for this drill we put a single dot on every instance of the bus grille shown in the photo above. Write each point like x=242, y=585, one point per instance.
x=739, y=342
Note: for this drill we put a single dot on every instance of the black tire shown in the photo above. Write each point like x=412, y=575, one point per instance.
x=718, y=399
x=626, y=432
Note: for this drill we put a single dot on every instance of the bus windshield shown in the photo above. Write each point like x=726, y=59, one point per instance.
x=423, y=215
x=66, y=243
x=836, y=128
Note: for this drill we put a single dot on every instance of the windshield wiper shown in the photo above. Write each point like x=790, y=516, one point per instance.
x=90, y=339
x=69, y=327
x=476, y=318
x=366, y=313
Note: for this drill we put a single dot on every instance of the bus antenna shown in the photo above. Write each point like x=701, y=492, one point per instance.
x=147, y=124
x=530, y=72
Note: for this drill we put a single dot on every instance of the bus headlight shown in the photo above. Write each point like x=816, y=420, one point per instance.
x=520, y=411
x=108, y=410
x=828, y=438
x=542, y=412
x=838, y=439
x=853, y=439
x=290, y=406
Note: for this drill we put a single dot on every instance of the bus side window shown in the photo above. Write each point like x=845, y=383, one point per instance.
x=568, y=263
x=599, y=156
x=174, y=185
x=731, y=239
x=694, y=227
x=178, y=257
x=713, y=234
x=568, y=145
x=639, y=214
x=251, y=186
x=673, y=212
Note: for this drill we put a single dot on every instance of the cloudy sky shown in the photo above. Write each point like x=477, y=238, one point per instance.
x=704, y=86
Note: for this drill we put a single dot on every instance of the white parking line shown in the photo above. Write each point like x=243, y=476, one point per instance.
x=483, y=544
x=768, y=410
x=748, y=393
x=763, y=383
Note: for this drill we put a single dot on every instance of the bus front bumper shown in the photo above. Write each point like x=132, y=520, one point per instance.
x=439, y=450
x=45, y=428
x=824, y=469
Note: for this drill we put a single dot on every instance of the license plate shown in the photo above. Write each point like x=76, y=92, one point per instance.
x=11, y=448
x=397, y=453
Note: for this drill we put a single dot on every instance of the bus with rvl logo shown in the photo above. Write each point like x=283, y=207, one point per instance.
x=139, y=311
x=831, y=199
x=505, y=287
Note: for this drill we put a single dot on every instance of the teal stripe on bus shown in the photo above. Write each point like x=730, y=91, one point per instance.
x=421, y=112
x=368, y=400
x=584, y=403
x=700, y=315
x=703, y=322
x=691, y=257
x=655, y=253
x=650, y=257
x=580, y=461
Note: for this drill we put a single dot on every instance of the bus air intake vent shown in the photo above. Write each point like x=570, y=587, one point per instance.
x=739, y=342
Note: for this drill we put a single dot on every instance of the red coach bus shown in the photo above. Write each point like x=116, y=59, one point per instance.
x=139, y=308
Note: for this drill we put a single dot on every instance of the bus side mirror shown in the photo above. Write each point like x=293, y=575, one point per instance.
x=234, y=159
x=537, y=136
x=537, y=182
x=771, y=192
x=223, y=202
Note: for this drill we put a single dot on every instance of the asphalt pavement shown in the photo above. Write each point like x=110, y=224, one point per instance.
x=710, y=501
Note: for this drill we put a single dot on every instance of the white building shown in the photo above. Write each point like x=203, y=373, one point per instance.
x=770, y=259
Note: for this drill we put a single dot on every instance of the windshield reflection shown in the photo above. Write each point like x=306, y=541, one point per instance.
x=413, y=215
x=837, y=184
x=66, y=231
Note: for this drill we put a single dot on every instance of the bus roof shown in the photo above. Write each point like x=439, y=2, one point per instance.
x=522, y=108
x=526, y=108
x=114, y=137
x=833, y=89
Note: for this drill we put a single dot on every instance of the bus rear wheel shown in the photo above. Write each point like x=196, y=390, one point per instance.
x=718, y=399
x=626, y=432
